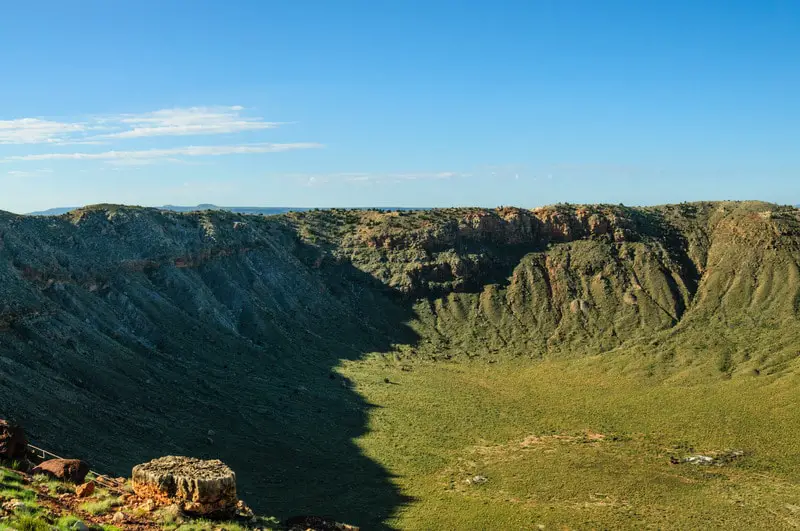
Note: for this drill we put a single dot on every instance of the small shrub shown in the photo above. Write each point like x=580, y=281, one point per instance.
x=30, y=522
x=724, y=362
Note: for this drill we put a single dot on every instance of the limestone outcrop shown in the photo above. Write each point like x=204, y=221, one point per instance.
x=200, y=487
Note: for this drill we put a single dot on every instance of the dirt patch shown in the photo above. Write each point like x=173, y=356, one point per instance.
x=535, y=440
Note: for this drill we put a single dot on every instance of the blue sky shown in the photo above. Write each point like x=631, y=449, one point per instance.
x=398, y=103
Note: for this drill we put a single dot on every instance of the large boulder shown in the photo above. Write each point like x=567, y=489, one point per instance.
x=13, y=444
x=197, y=486
x=73, y=470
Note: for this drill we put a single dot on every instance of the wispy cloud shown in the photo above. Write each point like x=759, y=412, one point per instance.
x=36, y=131
x=156, y=154
x=180, y=121
x=189, y=121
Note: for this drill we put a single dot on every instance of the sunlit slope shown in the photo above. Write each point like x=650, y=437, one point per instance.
x=574, y=280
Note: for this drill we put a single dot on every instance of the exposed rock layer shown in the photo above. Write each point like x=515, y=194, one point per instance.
x=202, y=487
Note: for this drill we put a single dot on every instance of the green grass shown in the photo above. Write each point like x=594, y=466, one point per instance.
x=523, y=426
x=54, y=487
x=29, y=522
x=13, y=464
x=27, y=518
x=102, y=505
x=13, y=487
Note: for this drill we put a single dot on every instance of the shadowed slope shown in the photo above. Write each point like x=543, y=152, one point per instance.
x=131, y=334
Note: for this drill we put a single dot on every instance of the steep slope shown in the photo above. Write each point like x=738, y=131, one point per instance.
x=129, y=333
x=571, y=280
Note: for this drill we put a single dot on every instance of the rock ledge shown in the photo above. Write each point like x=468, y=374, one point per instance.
x=201, y=487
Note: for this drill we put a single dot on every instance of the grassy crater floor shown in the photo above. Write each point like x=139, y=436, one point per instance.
x=581, y=444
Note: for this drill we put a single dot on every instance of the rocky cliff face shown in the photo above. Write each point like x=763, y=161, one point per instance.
x=216, y=334
x=570, y=280
x=437, y=252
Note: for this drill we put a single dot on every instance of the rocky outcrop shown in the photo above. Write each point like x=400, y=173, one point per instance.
x=73, y=470
x=85, y=490
x=200, y=487
x=13, y=444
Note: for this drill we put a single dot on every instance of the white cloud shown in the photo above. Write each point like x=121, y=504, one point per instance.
x=153, y=154
x=210, y=120
x=36, y=131
x=189, y=121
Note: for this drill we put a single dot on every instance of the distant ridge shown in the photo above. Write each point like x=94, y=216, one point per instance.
x=267, y=211
x=239, y=210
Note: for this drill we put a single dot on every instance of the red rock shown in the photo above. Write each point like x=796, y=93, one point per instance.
x=85, y=490
x=13, y=444
x=73, y=470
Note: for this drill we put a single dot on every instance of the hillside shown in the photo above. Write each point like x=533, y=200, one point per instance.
x=576, y=280
x=129, y=333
